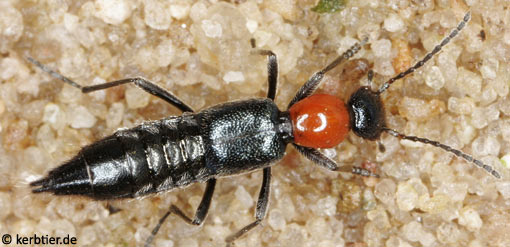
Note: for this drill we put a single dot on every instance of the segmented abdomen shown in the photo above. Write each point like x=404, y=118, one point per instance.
x=152, y=157
x=160, y=155
x=163, y=154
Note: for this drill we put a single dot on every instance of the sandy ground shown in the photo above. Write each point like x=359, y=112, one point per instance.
x=201, y=52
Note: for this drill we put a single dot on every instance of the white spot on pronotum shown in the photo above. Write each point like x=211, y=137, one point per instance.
x=324, y=123
x=300, y=120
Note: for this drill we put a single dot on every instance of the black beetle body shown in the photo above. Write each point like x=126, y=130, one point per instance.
x=173, y=152
x=243, y=136
x=227, y=139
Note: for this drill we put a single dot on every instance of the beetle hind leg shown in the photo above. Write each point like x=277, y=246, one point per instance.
x=197, y=220
x=142, y=83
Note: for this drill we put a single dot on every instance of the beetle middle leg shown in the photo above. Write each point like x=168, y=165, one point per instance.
x=272, y=69
x=263, y=200
x=261, y=209
x=272, y=73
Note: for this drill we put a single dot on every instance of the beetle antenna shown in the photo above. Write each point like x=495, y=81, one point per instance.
x=447, y=148
x=445, y=41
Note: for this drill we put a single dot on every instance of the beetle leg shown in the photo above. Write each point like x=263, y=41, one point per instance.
x=138, y=81
x=200, y=214
x=320, y=159
x=309, y=87
x=272, y=69
x=145, y=85
x=272, y=72
x=261, y=209
x=356, y=170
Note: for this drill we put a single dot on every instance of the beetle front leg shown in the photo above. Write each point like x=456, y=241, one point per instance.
x=320, y=159
x=309, y=87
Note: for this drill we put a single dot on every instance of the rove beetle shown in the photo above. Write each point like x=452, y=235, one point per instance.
x=227, y=139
